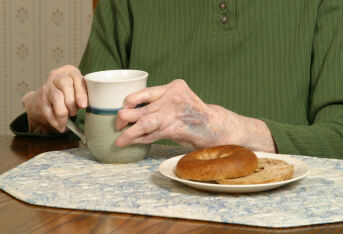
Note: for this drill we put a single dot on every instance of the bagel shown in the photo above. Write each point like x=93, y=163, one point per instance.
x=269, y=170
x=216, y=163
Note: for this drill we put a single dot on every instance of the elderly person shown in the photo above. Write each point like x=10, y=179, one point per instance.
x=267, y=75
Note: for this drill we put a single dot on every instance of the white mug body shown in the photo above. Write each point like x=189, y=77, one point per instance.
x=107, y=91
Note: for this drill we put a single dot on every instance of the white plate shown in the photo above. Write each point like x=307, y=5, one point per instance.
x=167, y=168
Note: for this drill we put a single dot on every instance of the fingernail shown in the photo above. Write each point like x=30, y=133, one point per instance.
x=62, y=129
x=83, y=103
x=123, y=124
x=119, y=141
x=55, y=125
x=118, y=125
x=73, y=112
x=59, y=129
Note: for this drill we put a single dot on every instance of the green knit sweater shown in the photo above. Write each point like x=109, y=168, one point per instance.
x=277, y=60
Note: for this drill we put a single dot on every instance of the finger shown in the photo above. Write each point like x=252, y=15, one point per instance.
x=120, y=124
x=56, y=99
x=148, y=138
x=65, y=84
x=80, y=88
x=147, y=95
x=67, y=68
x=126, y=116
x=48, y=114
x=146, y=125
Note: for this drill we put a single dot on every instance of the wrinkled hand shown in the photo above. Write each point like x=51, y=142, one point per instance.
x=49, y=107
x=175, y=112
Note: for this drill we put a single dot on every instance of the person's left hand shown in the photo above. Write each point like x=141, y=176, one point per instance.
x=175, y=112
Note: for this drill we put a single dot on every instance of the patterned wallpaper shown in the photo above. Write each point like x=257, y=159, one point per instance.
x=37, y=36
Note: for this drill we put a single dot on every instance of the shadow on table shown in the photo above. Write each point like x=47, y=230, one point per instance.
x=28, y=147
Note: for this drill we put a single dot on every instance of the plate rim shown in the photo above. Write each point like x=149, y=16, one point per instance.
x=223, y=186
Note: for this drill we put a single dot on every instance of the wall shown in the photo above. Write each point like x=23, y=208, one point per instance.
x=37, y=36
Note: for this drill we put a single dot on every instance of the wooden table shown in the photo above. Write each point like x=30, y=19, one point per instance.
x=20, y=217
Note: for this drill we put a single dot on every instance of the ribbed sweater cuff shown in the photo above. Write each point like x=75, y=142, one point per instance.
x=281, y=138
x=318, y=140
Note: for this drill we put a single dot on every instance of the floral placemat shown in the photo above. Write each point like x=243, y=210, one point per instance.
x=72, y=179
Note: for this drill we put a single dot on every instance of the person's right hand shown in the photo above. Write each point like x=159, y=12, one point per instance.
x=49, y=107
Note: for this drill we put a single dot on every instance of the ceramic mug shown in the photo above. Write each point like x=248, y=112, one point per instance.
x=106, y=93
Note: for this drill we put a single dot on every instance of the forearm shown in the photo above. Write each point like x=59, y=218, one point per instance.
x=244, y=131
x=256, y=135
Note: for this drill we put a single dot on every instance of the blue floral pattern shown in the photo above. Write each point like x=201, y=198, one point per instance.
x=72, y=179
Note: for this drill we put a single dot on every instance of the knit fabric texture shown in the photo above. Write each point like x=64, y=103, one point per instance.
x=280, y=61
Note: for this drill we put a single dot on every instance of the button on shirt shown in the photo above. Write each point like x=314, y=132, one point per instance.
x=223, y=5
x=224, y=19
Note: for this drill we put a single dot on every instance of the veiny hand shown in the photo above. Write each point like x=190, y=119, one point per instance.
x=175, y=112
x=49, y=107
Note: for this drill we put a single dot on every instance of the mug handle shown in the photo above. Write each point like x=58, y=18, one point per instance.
x=72, y=127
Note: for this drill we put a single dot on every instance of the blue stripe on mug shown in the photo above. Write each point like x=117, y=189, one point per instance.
x=104, y=111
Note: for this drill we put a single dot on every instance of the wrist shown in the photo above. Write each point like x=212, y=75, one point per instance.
x=244, y=131
x=228, y=126
x=256, y=135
